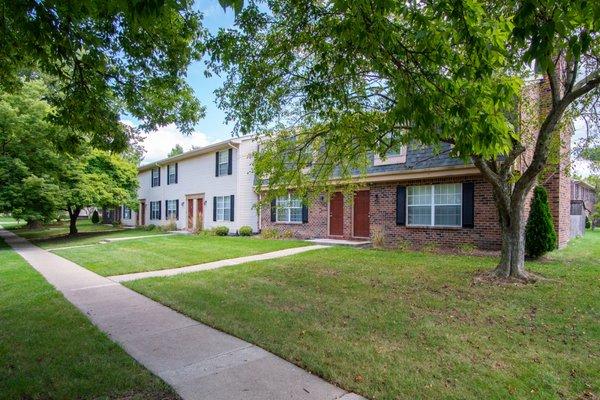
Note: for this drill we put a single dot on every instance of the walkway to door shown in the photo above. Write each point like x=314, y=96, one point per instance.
x=198, y=361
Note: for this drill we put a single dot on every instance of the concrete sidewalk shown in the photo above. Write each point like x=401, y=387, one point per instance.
x=215, y=264
x=198, y=361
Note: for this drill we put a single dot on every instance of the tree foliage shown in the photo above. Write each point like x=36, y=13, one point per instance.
x=335, y=81
x=540, y=236
x=175, y=151
x=105, y=58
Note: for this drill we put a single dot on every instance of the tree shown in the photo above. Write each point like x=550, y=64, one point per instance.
x=95, y=217
x=106, y=58
x=328, y=83
x=175, y=151
x=39, y=178
x=540, y=236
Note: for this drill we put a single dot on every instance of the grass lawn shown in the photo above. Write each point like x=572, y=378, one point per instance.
x=7, y=221
x=93, y=238
x=60, y=229
x=49, y=350
x=409, y=325
x=169, y=252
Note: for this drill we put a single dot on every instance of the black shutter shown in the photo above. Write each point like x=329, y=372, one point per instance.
x=217, y=163
x=468, y=204
x=273, y=210
x=304, y=213
x=177, y=209
x=166, y=210
x=152, y=177
x=230, y=165
x=168, y=179
x=232, y=208
x=158, y=176
x=401, y=205
x=176, y=173
x=159, y=210
x=214, y=208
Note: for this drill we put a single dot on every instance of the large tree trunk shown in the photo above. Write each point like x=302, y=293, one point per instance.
x=34, y=224
x=73, y=215
x=512, y=258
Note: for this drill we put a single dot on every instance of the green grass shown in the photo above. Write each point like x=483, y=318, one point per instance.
x=60, y=229
x=169, y=252
x=409, y=325
x=49, y=350
x=94, y=238
x=8, y=221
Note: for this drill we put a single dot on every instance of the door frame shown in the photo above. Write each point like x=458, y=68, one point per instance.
x=329, y=214
x=195, y=197
x=368, y=215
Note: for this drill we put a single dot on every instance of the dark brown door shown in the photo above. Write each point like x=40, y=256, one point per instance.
x=336, y=214
x=190, y=214
x=143, y=214
x=200, y=215
x=361, y=214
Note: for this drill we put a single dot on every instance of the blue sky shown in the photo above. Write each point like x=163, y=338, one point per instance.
x=212, y=127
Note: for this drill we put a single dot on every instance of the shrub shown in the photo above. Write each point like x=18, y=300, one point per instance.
x=588, y=223
x=269, y=233
x=171, y=225
x=430, y=248
x=116, y=224
x=245, y=231
x=540, y=236
x=378, y=237
x=403, y=245
x=95, y=217
x=150, y=227
x=287, y=234
x=221, y=230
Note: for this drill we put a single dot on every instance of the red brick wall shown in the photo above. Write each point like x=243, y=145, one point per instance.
x=485, y=234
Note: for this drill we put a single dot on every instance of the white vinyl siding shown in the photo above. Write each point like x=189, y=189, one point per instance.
x=289, y=209
x=223, y=162
x=434, y=205
x=223, y=208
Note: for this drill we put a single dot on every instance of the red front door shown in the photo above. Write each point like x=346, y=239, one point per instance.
x=336, y=214
x=143, y=214
x=190, y=214
x=361, y=214
x=200, y=214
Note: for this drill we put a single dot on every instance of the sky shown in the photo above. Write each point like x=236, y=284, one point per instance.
x=212, y=127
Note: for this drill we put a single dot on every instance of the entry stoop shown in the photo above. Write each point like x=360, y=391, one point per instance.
x=341, y=242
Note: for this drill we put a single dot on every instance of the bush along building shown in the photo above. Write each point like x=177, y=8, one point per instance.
x=420, y=197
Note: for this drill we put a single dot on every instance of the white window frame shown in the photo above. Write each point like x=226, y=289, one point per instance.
x=224, y=155
x=171, y=213
x=223, y=208
x=126, y=212
x=154, y=208
x=155, y=177
x=432, y=204
x=171, y=172
x=285, y=203
x=391, y=159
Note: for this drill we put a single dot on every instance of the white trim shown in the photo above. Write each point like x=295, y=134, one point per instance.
x=391, y=160
x=432, y=204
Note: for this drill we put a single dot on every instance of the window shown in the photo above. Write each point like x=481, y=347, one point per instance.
x=155, y=210
x=395, y=155
x=126, y=212
x=289, y=209
x=171, y=174
x=155, y=177
x=223, y=162
x=434, y=205
x=171, y=209
x=223, y=208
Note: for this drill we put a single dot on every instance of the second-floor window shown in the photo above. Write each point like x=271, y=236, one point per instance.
x=171, y=174
x=155, y=177
x=223, y=162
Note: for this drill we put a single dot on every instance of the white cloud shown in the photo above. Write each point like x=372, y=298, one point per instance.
x=159, y=143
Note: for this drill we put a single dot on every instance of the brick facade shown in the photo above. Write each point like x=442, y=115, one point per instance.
x=382, y=215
